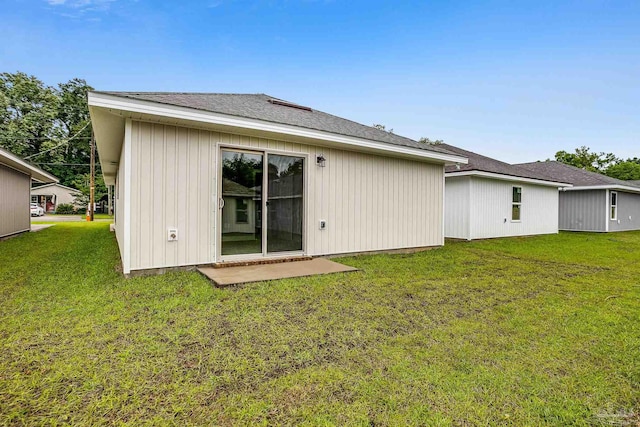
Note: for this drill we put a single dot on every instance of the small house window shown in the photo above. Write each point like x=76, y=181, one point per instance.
x=516, y=204
x=242, y=214
x=614, y=206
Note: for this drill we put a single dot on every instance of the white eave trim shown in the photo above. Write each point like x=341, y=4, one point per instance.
x=503, y=177
x=73, y=190
x=184, y=113
x=604, y=187
x=15, y=162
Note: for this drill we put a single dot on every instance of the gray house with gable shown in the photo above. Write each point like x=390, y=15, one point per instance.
x=595, y=202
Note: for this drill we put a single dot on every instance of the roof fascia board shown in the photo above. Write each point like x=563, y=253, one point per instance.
x=57, y=185
x=604, y=187
x=507, y=178
x=178, y=112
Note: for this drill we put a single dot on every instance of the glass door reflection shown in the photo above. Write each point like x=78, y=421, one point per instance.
x=285, y=207
x=242, y=178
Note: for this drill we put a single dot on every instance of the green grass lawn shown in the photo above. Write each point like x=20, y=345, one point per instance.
x=522, y=331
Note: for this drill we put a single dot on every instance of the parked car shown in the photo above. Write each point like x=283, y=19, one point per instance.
x=36, y=210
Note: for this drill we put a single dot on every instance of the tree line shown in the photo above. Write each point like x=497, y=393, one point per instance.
x=49, y=126
x=605, y=163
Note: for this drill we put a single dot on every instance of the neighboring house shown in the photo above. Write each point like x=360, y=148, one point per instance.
x=595, y=202
x=252, y=177
x=49, y=196
x=15, y=183
x=488, y=198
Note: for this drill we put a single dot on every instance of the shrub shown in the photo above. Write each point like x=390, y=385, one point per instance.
x=65, y=208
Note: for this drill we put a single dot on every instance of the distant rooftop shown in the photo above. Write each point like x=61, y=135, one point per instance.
x=573, y=175
x=268, y=108
x=478, y=162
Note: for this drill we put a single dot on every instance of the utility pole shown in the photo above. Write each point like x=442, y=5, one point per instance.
x=92, y=182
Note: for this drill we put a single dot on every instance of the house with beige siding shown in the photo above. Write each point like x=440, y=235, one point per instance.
x=595, y=202
x=487, y=198
x=50, y=196
x=206, y=178
x=15, y=183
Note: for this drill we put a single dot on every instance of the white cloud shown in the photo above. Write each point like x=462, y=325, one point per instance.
x=82, y=4
x=80, y=9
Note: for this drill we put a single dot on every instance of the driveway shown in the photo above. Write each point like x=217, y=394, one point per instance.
x=65, y=218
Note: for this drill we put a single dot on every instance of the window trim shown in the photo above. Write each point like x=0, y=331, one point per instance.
x=514, y=203
x=613, y=208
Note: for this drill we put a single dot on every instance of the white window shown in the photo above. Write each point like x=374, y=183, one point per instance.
x=516, y=204
x=242, y=211
x=614, y=205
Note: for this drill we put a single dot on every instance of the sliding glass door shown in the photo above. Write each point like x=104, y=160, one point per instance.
x=261, y=188
x=242, y=176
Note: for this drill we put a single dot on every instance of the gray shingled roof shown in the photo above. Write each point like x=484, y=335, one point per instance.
x=573, y=175
x=482, y=163
x=257, y=106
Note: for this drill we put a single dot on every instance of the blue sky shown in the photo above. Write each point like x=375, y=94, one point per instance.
x=514, y=80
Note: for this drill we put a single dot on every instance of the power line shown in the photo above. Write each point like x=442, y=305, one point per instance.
x=64, y=164
x=62, y=143
x=39, y=138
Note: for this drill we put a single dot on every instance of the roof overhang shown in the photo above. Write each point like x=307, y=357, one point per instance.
x=503, y=177
x=15, y=162
x=55, y=184
x=109, y=112
x=614, y=187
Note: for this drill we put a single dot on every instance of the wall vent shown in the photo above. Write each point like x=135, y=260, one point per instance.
x=289, y=104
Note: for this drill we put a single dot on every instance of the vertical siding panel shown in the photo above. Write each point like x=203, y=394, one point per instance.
x=326, y=197
x=352, y=200
x=156, y=187
x=15, y=216
x=183, y=195
x=583, y=210
x=369, y=206
x=413, y=225
x=171, y=190
x=192, y=195
x=144, y=153
x=331, y=217
x=205, y=197
x=313, y=214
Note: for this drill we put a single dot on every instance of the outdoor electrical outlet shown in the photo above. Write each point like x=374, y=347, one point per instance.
x=172, y=234
x=323, y=224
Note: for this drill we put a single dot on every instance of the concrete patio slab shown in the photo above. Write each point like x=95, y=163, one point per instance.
x=39, y=227
x=257, y=273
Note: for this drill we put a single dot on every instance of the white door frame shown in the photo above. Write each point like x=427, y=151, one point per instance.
x=265, y=164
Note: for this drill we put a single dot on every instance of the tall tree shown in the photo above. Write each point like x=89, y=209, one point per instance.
x=73, y=116
x=36, y=121
x=625, y=170
x=28, y=114
x=583, y=158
